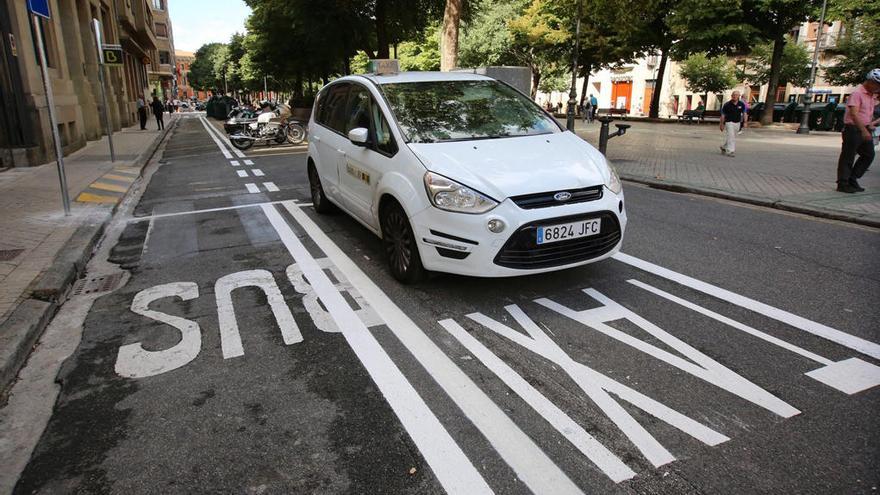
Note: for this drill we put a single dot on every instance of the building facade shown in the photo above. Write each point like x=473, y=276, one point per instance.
x=72, y=60
x=184, y=90
x=163, y=77
x=631, y=86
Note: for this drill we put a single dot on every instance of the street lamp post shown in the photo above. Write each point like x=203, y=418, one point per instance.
x=808, y=94
x=572, y=94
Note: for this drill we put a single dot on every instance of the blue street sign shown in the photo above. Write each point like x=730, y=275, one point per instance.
x=39, y=7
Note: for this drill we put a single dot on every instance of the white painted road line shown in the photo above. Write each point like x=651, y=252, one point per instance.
x=527, y=460
x=851, y=341
x=252, y=188
x=609, y=463
x=216, y=141
x=241, y=173
x=257, y=172
x=207, y=210
x=733, y=323
x=271, y=187
x=222, y=138
x=451, y=466
x=248, y=162
x=234, y=163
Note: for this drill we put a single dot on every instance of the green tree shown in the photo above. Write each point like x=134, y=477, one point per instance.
x=559, y=81
x=794, y=67
x=858, y=47
x=704, y=74
x=423, y=53
x=486, y=39
x=539, y=40
x=201, y=71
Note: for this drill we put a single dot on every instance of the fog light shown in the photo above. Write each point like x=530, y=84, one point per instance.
x=495, y=225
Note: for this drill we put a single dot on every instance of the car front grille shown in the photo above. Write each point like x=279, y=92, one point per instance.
x=521, y=250
x=545, y=199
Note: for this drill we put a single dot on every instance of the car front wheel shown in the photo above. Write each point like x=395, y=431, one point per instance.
x=401, y=251
x=319, y=199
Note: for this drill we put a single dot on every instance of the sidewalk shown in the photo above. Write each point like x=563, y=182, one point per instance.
x=773, y=167
x=42, y=251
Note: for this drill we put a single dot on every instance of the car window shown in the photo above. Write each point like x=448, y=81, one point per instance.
x=332, y=108
x=357, y=113
x=433, y=111
x=384, y=140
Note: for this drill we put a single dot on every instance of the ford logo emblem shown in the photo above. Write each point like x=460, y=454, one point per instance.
x=562, y=196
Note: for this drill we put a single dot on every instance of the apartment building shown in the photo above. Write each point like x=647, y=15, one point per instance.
x=72, y=59
x=163, y=76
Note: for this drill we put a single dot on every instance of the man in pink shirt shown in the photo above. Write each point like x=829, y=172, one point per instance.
x=857, y=138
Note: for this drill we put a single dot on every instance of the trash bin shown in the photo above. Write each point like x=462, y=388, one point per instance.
x=755, y=111
x=790, y=113
x=778, y=111
x=838, y=117
x=821, y=116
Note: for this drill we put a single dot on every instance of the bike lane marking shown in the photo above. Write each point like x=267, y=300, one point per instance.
x=216, y=134
x=851, y=341
x=223, y=149
x=539, y=473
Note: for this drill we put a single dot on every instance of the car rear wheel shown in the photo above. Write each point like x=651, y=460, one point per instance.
x=401, y=251
x=319, y=199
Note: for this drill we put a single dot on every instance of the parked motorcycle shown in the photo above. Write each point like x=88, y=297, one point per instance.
x=270, y=125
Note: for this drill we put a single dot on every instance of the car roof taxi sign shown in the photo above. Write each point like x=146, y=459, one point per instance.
x=384, y=66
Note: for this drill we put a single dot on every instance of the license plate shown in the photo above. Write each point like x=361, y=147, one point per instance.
x=566, y=231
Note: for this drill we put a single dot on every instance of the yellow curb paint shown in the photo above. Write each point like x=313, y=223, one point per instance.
x=128, y=170
x=118, y=177
x=95, y=198
x=108, y=187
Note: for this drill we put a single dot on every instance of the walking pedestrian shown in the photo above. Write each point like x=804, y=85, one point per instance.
x=857, y=139
x=158, y=108
x=588, y=112
x=732, y=113
x=142, y=112
x=595, y=103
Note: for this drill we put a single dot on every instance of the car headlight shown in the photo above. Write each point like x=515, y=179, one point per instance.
x=613, y=182
x=449, y=195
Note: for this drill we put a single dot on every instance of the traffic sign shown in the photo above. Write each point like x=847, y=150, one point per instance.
x=112, y=54
x=39, y=7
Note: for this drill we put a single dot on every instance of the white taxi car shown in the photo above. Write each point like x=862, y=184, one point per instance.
x=461, y=173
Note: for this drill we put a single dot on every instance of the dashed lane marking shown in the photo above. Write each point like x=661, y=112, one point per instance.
x=234, y=163
x=271, y=187
x=248, y=162
x=257, y=172
x=242, y=173
x=252, y=188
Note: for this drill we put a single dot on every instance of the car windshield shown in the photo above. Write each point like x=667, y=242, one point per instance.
x=434, y=111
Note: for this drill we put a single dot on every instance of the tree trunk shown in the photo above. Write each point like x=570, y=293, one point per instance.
x=536, y=78
x=654, y=112
x=382, y=40
x=449, y=36
x=585, y=73
x=775, y=66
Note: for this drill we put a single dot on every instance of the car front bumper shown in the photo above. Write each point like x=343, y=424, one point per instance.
x=462, y=244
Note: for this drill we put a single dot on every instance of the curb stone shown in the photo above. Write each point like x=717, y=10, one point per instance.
x=25, y=324
x=776, y=203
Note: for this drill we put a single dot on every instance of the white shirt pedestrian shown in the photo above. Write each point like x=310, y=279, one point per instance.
x=732, y=113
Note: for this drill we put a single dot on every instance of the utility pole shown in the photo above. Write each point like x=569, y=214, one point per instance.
x=572, y=94
x=50, y=100
x=96, y=24
x=808, y=95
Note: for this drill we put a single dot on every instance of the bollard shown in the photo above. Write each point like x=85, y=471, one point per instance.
x=604, y=136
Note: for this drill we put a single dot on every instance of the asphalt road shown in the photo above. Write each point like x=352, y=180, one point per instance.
x=258, y=347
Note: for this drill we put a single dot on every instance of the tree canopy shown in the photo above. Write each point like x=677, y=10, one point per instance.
x=704, y=74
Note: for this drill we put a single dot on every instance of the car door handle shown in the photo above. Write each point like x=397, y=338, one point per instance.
x=341, y=153
x=316, y=139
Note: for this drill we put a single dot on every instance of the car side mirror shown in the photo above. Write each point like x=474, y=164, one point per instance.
x=359, y=136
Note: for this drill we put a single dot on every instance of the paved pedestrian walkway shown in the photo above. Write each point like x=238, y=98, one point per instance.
x=33, y=223
x=773, y=166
